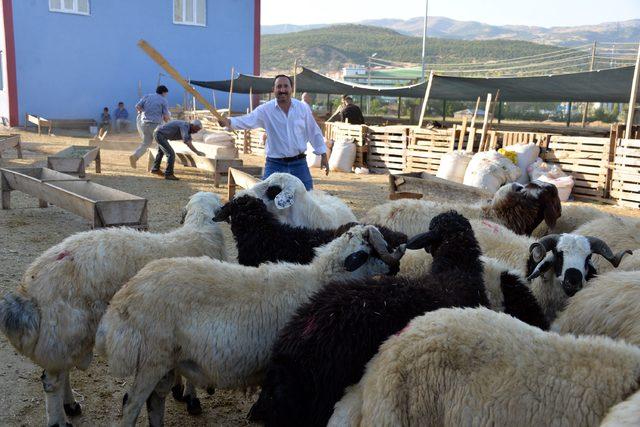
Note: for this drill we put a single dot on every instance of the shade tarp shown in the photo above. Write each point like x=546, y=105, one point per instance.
x=612, y=85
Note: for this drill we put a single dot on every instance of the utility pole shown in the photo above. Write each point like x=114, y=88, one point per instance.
x=369, y=79
x=424, y=39
x=586, y=106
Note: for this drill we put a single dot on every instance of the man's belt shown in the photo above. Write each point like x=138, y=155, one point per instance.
x=290, y=159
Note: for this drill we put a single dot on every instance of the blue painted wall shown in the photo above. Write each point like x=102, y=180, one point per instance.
x=71, y=66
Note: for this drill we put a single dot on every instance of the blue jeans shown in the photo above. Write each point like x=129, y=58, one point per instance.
x=164, y=149
x=296, y=168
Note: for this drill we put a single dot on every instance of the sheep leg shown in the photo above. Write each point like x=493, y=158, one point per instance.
x=53, y=385
x=191, y=397
x=71, y=407
x=143, y=385
x=177, y=391
x=155, y=402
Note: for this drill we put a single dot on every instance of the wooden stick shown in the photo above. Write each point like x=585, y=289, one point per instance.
x=475, y=113
x=463, y=132
x=485, y=122
x=250, y=98
x=426, y=99
x=295, y=72
x=632, y=99
x=231, y=90
x=159, y=59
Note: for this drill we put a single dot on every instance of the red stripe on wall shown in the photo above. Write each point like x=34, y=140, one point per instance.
x=10, y=53
x=256, y=38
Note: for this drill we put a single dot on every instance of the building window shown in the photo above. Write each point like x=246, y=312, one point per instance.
x=80, y=7
x=190, y=12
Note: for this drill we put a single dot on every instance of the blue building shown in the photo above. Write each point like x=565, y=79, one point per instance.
x=68, y=59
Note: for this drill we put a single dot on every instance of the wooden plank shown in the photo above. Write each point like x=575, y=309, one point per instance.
x=425, y=100
x=239, y=178
x=10, y=141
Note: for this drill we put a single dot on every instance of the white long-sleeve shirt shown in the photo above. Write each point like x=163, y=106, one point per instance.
x=287, y=134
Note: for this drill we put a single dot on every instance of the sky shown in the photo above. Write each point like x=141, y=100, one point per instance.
x=544, y=13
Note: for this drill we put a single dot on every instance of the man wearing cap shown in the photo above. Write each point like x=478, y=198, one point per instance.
x=289, y=125
x=174, y=130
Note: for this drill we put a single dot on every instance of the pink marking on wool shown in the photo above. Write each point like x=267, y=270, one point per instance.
x=309, y=327
x=494, y=227
x=62, y=255
x=402, y=330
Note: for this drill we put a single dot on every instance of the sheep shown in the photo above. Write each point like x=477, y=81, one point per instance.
x=53, y=314
x=325, y=346
x=287, y=198
x=550, y=287
x=215, y=322
x=454, y=367
x=607, y=306
x=625, y=232
x=624, y=414
x=261, y=237
x=520, y=208
x=573, y=216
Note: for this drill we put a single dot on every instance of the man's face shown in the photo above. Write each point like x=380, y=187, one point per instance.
x=282, y=89
x=194, y=129
x=121, y=106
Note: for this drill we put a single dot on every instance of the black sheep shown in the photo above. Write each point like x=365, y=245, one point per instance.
x=261, y=238
x=327, y=343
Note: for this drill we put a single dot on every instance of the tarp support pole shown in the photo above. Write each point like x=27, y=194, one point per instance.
x=425, y=99
x=329, y=103
x=250, y=98
x=569, y=115
x=632, y=99
x=444, y=110
x=586, y=105
x=399, y=105
x=231, y=90
x=499, y=112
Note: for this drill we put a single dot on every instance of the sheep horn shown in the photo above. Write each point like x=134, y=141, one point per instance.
x=542, y=267
x=601, y=248
x=540, y=248
x=379, y=245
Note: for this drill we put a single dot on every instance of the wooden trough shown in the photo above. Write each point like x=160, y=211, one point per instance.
x=418, y=185
x=10, y=141
x=102, y=206
x=210, y=162
x=244, y=177
x=75, y=159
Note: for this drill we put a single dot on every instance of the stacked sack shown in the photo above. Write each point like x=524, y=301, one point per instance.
x=454, y=165
x=554, y=175
x=525, y=155
x=490, y=170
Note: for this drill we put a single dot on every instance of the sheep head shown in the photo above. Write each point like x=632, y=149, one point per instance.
x=568, y=256
x=448, y=231
x=522, y=208
x=248, y=207
x=280, y=189
x=365, y=252
x=202, y=206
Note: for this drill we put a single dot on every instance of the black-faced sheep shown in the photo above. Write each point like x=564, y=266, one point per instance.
x=215, y=322
x=519, y=208
x=260, y=237
x=326, y=345
x=53, y=314
x=457, y=367
x=287, y=198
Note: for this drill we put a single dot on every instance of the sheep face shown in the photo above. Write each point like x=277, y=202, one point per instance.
x=522, y=208
x=446, y=229
x=568, y=258
x=363, y=252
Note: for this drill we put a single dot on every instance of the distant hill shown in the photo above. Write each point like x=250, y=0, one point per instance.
x=441, y=27
x=330, y=48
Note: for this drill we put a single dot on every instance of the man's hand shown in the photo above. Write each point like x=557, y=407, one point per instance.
x=324, y=163
x=200, y=153
x=224, y=122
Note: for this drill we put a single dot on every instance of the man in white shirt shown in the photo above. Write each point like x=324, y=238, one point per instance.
x=289, y=125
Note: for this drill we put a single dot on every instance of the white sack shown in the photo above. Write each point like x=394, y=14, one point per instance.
x=489, y=170
x=453, y=166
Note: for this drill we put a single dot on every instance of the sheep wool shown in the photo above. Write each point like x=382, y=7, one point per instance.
x=214, y=322
x=53, y=314
x=454, y=367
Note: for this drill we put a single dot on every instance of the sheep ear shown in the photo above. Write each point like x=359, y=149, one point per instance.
x=421, y=241
x=355, y=260
x=284, y=199
x=552, y=205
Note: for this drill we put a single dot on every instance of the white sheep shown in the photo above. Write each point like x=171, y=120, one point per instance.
x=288, y=199
x=53, y=314
x=519, y=208
x=214, y=322
x=625, y=232
x=624, y=414
x=607, y=306
x=573, y=216
x=455, y=367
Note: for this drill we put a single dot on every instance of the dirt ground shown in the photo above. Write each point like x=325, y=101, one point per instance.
x=26, y=231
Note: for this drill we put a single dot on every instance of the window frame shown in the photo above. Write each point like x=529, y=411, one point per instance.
x=193, y=23
x=74, y=11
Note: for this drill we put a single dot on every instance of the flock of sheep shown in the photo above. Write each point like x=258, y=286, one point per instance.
x=517, y=311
